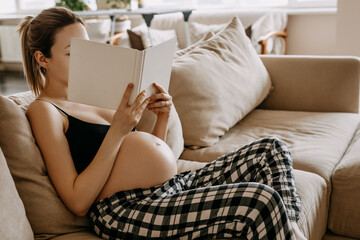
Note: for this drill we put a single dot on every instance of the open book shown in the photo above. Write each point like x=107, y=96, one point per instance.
x=99, y=73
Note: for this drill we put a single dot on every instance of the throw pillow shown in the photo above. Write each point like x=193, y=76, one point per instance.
x=198, y=30
x=135, y=40
x=216, y=84
x=47, y=214
x=184, y=51
x=151, y=37
x=22, y=99
x=13, y=221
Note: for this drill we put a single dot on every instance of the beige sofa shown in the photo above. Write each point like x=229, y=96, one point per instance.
x=313, y=107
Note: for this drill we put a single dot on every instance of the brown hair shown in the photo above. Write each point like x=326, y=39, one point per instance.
x=39, y=34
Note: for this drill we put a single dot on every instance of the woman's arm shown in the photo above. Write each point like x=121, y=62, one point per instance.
x=160, y=128
x=161, y=106
x=79, y=191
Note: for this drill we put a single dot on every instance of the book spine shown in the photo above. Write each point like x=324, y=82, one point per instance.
x=137, y=76
x=143, y=55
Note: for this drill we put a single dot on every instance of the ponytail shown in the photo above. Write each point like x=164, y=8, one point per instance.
x=34, y=77
x=38, y=34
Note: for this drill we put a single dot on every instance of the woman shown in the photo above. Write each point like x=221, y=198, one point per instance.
x=125, y=180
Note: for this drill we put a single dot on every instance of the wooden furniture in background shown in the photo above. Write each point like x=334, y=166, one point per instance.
x=264, y=39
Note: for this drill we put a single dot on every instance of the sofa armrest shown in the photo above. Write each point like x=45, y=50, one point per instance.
x=313, y=83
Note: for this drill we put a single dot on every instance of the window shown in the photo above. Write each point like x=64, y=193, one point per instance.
x=12, y=6
x=24, y=5
x=239, y=3
x=312, y=3
x=7, y=6
x=263, y=3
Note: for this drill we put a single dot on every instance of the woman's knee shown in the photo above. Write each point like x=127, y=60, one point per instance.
x=265, y=193
x=278, y=145
x=276, y=150
x=266, y=201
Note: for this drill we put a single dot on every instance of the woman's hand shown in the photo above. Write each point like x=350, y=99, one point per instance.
x=161, y=102
x=128, y=116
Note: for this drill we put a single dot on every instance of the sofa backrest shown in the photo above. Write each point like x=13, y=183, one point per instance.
x=313, y=83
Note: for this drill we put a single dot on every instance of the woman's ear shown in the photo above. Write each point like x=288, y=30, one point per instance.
x=41, y=59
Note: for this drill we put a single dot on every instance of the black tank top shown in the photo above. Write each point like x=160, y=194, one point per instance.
x=84, y=139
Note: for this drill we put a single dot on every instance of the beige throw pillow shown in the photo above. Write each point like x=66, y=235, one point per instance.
x=151, y=37
x=216, y=84
x=47, y=214
x=13, y=221
x=198, y=30
x=184, y=51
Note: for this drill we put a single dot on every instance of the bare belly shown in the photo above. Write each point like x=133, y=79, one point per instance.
x=143, y=161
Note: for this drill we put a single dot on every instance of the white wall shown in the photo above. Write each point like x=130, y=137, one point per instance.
x=332, y=33
x=348, y=27
x=311, y=33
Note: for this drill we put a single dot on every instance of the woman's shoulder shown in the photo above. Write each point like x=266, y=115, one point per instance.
x=38, y=107
x=40, y=112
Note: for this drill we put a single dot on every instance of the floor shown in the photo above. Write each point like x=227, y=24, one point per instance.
x=12, y=82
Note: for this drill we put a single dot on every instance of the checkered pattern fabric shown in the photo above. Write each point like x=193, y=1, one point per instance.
x=248, y=193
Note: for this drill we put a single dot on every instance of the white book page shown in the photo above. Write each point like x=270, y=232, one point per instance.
x=157, y=66
x=99, y=73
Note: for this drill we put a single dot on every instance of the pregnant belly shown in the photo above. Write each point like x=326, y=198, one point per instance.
x=143, y=161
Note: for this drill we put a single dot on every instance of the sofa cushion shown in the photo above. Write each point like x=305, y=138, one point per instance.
x=344, y=216
x=217, y=84
x=174, y=21
x=155, y=37
x=85, y=235
x=316, y=140
x=46, y=212
x=332, y=236
x=13, y=221
x=22, y=99
x=312, y=190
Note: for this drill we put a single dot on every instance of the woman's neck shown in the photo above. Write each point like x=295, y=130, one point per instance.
x=54, y=90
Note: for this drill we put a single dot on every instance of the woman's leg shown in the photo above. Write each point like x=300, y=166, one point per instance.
x=170, y=211
x=266, y=161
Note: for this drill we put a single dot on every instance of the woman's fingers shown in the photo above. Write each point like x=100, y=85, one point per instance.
x=159, y=88
x=160, y=104
x=161, y=96
x=139, y=111
x=125, y=99
x=138, y=101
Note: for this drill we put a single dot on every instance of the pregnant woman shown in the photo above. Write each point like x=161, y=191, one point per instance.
x=125, y=180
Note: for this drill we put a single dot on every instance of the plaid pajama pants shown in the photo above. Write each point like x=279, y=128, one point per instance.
x=248, y=193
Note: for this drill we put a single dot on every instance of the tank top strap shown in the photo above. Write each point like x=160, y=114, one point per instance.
x=54, y=106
